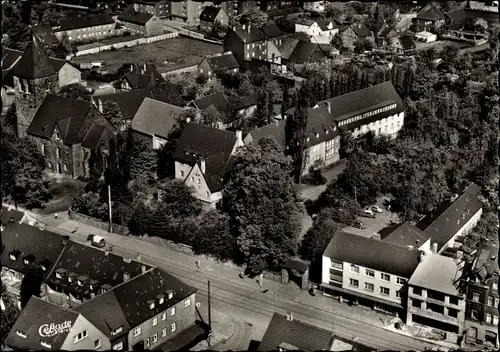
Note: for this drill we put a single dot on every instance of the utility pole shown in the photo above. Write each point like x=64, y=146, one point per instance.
x=209, y=315
x=109, y=208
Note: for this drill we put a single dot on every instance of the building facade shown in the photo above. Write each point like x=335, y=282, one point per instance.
x=160, y=9
x=85, y=28
x=211, y=16
x=317, y=6
x=143, y=24
x=189, y=10
x=246, y=43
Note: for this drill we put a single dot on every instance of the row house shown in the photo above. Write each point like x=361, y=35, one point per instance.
x=141, y=23
x=202, y=159
x=85, y=28
x=160, y=9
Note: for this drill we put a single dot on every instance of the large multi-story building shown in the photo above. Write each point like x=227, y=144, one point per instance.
x=246, y=43
x=160, y=9
x=190, y=10
x=85, y=28
x=141, y=23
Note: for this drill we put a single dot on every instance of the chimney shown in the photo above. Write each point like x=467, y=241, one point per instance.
x=106, y=252
x=289, y=316
x=126, y=277
x=202, y=166
x=144, y=71
x=329, y=107
x=239, y=135
x=418, y=242
x=421, y=258
x=434, y=248
x=131, y=68
x=65, y=240
x=249, y=27
x=143, y=269
x=101, y=109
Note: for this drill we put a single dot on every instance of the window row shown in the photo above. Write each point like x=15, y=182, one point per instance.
x=154, y=339
x=371, y=288
x=371, y=273
x=490, y=319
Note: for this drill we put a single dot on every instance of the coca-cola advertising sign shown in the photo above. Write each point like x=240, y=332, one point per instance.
x=49, y=330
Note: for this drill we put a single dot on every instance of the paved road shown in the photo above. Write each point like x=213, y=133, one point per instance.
x=243, y=300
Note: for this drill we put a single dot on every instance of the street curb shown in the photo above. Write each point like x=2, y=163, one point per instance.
x=230, y=335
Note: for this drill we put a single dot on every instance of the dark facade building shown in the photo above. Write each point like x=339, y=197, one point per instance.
x=429, y=19
x=246, y=43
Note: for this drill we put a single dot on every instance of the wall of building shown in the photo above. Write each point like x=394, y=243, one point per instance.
x=88, y=343
x=481, y=332
x=154, y=27
x=313, y=29
x=184, y=318
x=69, y=75
x=58, y=156
x=95, y=32
x=390, y=125
x=318, y=6
x=463, y=231
x=196, y=180
x=182, y=170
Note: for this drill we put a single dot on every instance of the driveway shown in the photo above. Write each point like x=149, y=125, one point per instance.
x=309, y=192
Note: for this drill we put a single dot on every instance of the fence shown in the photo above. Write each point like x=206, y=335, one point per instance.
x=127, y=43
x=189, y=69
x=89, y=220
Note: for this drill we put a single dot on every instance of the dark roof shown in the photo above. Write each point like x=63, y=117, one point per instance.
x=452, y=217
x=34, y=63
x=430, y=12
x=487, y=259
x=44, y=33
x=302, y=336
x=156, y=118
x=95, y=134
x=10, y=57
x=57, y=63
x=143, y=76
x=305, y=21
x=250, y=34
x=203, y=142
x=217, y=99
x=407, y=42
x=361, y=30
x=407, y=235
x=83, y=21
x=287, y=47
x=246, y=101
x=140, y=18
x=303, y=51
x=98, y=267
x=66, y=114
x=222, y=62
x=323, y=24
x=372, y=254
x=209, y=13
x=271, y=30
x=275, y=130
x=26, y=240
x=458, y=16
x=130, y=101
x=37, y=313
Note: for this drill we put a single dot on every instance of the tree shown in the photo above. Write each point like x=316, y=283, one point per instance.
x=347, y=146
x=76, y=91
x=112, y=113
x=319, y=235
x=260, y=180
x=143, y=159
x=16, y=30
x=245, y=88
x=177, y=199
x=60, y=49
x=166, y=162
x=211, y=116
x=31, y=285
x=255, y=17
x=213, y=237
x=10, y=313
x=362, y=45
x=262, y=114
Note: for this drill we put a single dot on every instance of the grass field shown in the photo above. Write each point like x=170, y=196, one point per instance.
x=169, y=54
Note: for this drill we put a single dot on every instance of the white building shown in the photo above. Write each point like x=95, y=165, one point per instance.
x=318, y=6
x=322, y=30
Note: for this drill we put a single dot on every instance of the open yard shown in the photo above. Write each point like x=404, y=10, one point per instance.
x=169, y=54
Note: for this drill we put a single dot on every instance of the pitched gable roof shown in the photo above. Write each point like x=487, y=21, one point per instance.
x=66, y=114
x=287, y=47
x=407, y=42
x=320, y=125
x=140, y=18
x=222, y=62
x=84, y=21
x=198, y=142
x=274, y=130
x=324, y=23
x=143, y=76
x=39, y=312
x=209, y=13
x=271, y=30
x=303, y=51
x=302, y=336
x=438, y=273
x=361, y=30
x=217, y=99
x=34, y=62
x=372, y=254
x=155, y=117
x=250, y=34
x=430, y=12
x=95, y=134
x=407, y=235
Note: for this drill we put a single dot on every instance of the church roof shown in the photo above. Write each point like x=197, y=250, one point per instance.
x=34, y=63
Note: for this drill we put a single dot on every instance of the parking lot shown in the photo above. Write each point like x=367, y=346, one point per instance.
x=373, y=226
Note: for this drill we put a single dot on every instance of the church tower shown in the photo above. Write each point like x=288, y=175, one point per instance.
x=34, y=77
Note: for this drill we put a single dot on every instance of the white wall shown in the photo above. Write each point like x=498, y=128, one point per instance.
x=388, y=125
x=463, y=230
x=326, y=264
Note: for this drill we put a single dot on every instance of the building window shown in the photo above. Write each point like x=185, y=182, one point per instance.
x=384, y=291
x=353, y=282
x=495, y=320
x=173, y=327
x=354, y=268
x=417, y=291
x=385, y=277
x=137, y=331
x=398, y=294
x=497, y=302
x=147, y=342
x=182, y=173
x=45, y=344
x=58, y=153
x=495, y=286
x=474, y=314
x=163, y=332
x=370, y=273
x=118, y=346
x=97, y=343
x=163, y=316
x=155, y=321
x=172, y=311
x=454, y=301
x=472, y=333
x=401, y=281
x=337, y=265
x=187, y=302
x=369, y=287
x=416, y=303
x=192, y=179
x=488, y=318
x=65, y=167
x=198, y=181
x=207, y=194
x=155, y=338
x=453, y=313
x=490, y=300
x=476, y=296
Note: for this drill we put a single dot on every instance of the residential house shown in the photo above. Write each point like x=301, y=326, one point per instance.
x=246, y=43
x=458, y=33
x=44, y=34
x=211, y=16
x=190, y=10
x=454, y=220
x=305, y=52
x=321, y=31
x=429, y=19
x=434, y=297
x=158, y=8
x=202, y=158
x=212, y=65
x=386, y=10
x=385, y=34
x=241, y=6
x=403, y=44
x=45, y=326
x=368, y=271
x=286, y=333
x=68, y=132
x=273, y=33
x=275, y=130
x=129, y=102
x=350, y=35
x=141, y=77
x=307, y=26
x=155, y=120
x=316, y=6
x=220, y=102
x=481, y=316
x=246, y=106
x=85, y=28
x=426, y=37
x=141, y=23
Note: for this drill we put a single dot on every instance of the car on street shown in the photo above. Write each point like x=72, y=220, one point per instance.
x=358, y=224
x=96, y=241
x=376, y=209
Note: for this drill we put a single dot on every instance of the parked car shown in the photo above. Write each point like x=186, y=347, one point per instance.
x=376, y=209
x=358, y=224
x=96, y=241
x=368, y=211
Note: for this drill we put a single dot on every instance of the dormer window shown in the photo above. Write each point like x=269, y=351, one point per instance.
x=12, y=257
x=45, y=344
x=69, y=279
x=170, y=295
x=22, y=334
x=80, y=283
x=117, y=331
x=151, y=304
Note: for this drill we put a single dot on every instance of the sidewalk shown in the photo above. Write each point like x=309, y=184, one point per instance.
x=222, y=329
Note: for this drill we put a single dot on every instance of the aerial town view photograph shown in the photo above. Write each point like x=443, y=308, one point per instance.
x=283, y=175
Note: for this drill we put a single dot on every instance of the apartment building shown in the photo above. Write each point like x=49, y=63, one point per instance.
x=141, y=23
x=241, y=6
x=367, y=271
x=190, y=10
x=246, y=43
x=160, y=9
x=434, y=297
x=481, y=316
x=85, y=28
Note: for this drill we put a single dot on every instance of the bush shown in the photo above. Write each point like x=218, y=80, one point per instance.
x=314, y=179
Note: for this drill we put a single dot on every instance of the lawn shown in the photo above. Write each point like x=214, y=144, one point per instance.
x=168, y=54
